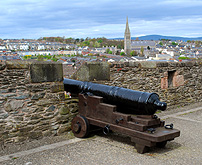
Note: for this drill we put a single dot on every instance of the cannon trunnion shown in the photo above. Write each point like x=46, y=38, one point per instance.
x=112, y=109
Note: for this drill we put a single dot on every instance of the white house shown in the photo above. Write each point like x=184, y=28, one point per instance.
x=2, y=47
x=24, y=46
x=40, y=47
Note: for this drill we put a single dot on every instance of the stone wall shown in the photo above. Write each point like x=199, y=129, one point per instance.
x=32, y=101
x=178, y=84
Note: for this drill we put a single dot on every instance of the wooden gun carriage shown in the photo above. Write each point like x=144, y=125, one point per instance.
x=121, y=110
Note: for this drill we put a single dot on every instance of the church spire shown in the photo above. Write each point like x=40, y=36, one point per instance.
x=127, y=30
x=127, y=39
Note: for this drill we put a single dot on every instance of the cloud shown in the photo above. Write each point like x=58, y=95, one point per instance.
x=178, y=26
x=36, y=18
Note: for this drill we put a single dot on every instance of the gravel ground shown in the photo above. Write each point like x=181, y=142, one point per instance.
x=27, y=145
x=179, y=109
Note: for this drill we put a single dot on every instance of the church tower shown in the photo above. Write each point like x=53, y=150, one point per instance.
x=127, y=40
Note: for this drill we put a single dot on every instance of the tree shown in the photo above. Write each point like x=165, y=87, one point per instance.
x=40, y=58
x=81, y=40
x=77, y=40
x=122, y=53
x=97, y=44
x=100, y=41
x=119, y=46
x=174, y=43
x=142, y=50
x=161, y=43
x=91, y=44
x=198, y=43
x=133, y=53
x=86, y=43
x=110, y=52
x=107, y=51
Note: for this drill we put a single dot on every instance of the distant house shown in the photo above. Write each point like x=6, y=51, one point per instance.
x=100, y=50
x=145, y=44
x=85, y=52
x=4, y=58
x=24, y=46
x=137, y=58
x=41, y=47
x=2, y=47
x=163, y=57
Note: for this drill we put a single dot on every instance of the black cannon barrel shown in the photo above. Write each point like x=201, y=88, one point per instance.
x=127, y=100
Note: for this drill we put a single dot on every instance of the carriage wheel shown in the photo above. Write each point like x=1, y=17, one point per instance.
x=80, y=126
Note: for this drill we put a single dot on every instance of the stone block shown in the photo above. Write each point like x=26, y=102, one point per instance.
x=126, y=64
x=2, y=65
x=44, y=102
x=91, y=71
x=178, y=80
x=164, y=83
x=26, y=129
x=62, y=118
x=173, y=64
x=148, y=64
x=57, y=87
x=18, y=118
x=133, y=64
x=38, y=96
x=13, y=105
x=46, y=72
x=51, y=108
x=3, y=116
x=189, y=64
x=20, y=139
x=162, y=64
x=64, y=129
x=22, y=97
x=35, y=134
x=64, y=110
x=47, y=133
x=16, y=64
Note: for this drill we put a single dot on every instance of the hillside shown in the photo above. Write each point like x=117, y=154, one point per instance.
x=159, y=37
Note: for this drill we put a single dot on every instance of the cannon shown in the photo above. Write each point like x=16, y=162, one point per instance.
x=121, y=110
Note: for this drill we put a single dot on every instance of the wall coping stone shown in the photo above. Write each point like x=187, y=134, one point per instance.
x=91, y=71
x=17, y=64
x=43, y=71
x=148, y=64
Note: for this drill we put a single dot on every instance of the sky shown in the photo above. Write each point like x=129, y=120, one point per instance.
x=32, y=19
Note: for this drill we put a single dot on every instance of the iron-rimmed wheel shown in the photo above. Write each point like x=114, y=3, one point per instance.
x=80, y=126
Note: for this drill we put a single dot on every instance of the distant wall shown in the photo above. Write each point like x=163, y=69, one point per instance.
x=178, y=84
x=32, y=101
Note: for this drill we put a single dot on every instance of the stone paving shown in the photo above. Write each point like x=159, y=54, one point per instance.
x=117, y=149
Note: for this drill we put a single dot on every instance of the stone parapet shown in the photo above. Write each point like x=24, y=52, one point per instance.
x=32, y=101
x=177, y=83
